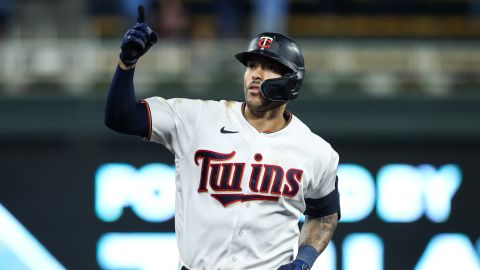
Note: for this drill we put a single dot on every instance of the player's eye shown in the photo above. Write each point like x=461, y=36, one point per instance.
x=271, y=68
x=251, y=65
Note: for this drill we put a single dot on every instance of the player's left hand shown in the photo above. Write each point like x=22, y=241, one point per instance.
x=295, y=265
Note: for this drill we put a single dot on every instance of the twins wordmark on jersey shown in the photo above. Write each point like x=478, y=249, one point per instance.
x=267, y=182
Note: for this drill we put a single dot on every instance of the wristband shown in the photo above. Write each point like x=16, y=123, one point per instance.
x=124, y=66
x=308, y=254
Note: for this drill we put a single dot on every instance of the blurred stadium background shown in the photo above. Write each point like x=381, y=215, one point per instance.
x=394, y=85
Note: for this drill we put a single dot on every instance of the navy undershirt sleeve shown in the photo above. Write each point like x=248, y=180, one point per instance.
x=325, y=206
x=122, y=112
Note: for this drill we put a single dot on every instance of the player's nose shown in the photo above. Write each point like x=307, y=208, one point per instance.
x=257, y=73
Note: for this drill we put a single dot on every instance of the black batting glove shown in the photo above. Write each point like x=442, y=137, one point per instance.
x=295, y=265
x=137, y=40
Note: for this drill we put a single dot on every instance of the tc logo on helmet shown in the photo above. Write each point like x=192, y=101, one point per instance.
x=265, y=42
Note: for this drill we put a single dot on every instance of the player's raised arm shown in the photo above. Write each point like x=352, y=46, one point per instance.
x=122, y=112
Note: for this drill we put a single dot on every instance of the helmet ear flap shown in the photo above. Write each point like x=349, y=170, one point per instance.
x=280, y=89
x=292, y=82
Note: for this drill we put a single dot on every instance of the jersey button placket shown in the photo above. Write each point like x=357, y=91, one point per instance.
x=236, y=249
x=235, y=246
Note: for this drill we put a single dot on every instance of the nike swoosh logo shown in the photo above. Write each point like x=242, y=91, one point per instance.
x=224, y=131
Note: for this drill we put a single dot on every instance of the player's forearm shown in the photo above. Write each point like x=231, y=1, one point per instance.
x=314, y=238
x=121, y=98
x=318, y=231
x=122, y=112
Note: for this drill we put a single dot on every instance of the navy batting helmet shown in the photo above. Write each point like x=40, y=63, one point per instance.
x=284, y=51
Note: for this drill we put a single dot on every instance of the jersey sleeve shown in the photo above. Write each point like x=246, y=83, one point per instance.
x=173, y=122
x=322, y=198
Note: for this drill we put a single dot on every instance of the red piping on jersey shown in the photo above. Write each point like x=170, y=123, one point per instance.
x=149, y=132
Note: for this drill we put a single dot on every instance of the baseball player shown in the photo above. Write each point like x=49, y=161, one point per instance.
x=246, y=171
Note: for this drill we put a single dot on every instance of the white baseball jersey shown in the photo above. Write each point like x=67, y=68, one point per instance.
x=239, y=192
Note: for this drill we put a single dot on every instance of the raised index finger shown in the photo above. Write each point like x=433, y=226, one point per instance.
x=141, y=14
